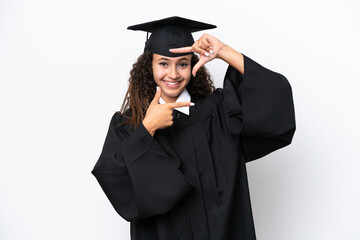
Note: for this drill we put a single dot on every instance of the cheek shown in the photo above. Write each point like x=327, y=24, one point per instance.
x=186, y=74
x=158, y=74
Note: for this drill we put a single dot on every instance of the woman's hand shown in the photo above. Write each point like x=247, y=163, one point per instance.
x=160, y=116
x=207, y=46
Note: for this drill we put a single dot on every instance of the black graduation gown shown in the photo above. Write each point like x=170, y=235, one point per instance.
x=189, y=181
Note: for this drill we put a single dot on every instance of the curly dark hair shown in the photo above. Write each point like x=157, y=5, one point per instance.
x=142, y=88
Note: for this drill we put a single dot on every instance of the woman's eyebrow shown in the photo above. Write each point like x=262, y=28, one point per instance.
x=167, y=59
x=163, y=59
x=186, y=59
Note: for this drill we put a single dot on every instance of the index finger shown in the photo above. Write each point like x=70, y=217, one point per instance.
x=181, y=50
x=180, y=104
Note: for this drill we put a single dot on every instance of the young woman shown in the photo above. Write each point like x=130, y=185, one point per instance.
x=173, y=162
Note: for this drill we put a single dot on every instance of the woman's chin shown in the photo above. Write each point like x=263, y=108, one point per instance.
x=171, y=95
x=172, y=92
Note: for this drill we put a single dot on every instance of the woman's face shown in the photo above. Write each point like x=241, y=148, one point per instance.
x=171, y=74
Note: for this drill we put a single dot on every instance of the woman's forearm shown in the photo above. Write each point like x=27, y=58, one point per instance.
x=232, y=57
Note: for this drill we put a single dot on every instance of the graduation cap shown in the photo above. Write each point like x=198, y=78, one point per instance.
x=167, y=33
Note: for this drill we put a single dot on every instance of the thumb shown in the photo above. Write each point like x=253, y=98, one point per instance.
x=198, y=65
x=157, y=96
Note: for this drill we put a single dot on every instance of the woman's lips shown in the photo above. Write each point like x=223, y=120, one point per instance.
x=172, y=84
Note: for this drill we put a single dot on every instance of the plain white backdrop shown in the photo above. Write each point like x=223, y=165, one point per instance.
x=64, y=67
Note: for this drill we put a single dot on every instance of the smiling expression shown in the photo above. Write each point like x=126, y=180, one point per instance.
x=171, y=74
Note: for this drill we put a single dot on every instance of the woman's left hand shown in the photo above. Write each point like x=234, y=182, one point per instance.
x=209, y=47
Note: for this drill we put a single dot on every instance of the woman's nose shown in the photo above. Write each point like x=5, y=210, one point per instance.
x=173, y=73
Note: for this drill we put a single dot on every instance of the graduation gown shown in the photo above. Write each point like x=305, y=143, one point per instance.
x=189, y=181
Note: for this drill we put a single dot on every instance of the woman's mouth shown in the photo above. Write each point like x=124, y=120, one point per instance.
x=172, y=84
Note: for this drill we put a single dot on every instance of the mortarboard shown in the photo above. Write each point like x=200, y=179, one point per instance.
x=172, y=32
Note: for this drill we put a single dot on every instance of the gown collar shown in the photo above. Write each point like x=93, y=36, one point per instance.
x=183, y=97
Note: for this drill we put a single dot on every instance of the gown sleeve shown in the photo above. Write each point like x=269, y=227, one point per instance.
x=137, y=176
x=259, y=108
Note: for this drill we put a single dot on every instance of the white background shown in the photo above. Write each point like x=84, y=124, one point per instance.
x=64, y=67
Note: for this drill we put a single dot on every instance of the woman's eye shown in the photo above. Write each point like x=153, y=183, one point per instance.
x=163, y=64
x=183, y=65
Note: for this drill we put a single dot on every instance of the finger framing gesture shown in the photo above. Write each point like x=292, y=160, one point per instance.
x=159, y=116
x=207, y=46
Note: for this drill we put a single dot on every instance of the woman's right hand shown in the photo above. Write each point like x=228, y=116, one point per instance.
x=160, y=116
x=209, y=47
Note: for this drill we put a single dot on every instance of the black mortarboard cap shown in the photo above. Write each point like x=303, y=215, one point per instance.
x=172, y=32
